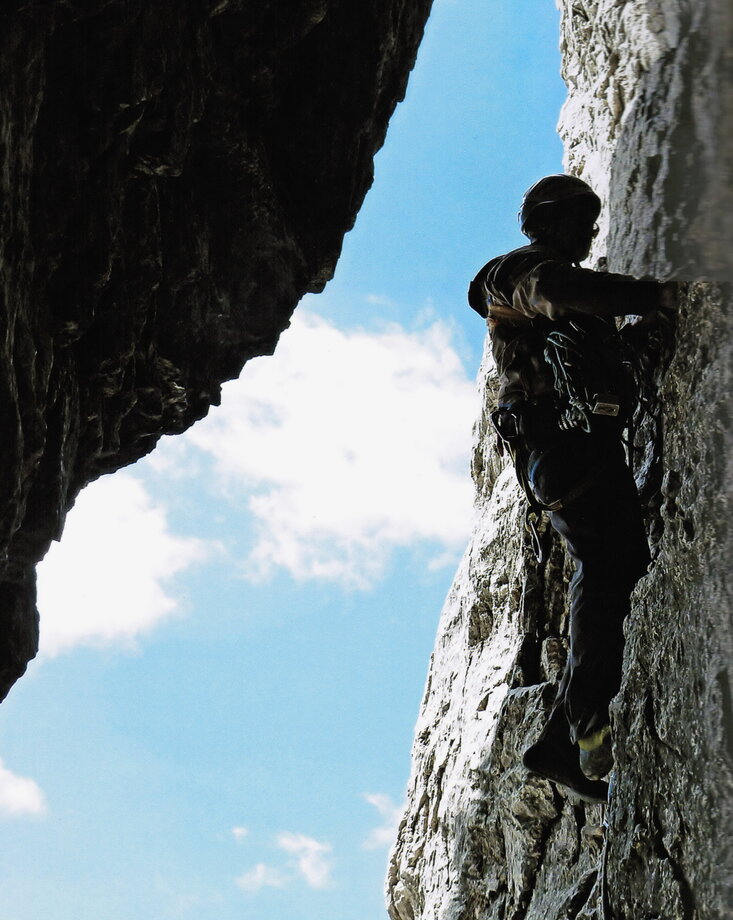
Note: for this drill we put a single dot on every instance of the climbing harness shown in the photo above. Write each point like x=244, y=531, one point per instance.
x=507, y=424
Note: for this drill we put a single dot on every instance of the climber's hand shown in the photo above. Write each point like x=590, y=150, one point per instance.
x=668, y=296
x=655, y=331
x=663, y=320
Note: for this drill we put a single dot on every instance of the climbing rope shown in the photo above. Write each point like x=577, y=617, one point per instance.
x=563, y=354
x=606, y=913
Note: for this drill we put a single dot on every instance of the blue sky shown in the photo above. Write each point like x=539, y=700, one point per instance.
x=236, y=631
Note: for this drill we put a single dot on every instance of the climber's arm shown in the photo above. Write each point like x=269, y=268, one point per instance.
x=555, y=289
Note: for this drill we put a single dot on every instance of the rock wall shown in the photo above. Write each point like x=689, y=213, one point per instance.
x=648, y=123
x=174, y=178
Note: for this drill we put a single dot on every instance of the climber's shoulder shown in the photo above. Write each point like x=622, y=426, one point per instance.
x=496, y=280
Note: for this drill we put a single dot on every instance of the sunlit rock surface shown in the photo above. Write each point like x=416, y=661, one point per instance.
x=647, y=123
x=174, y=178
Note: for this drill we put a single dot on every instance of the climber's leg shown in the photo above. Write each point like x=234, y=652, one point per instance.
x=603, y=530
x=604, y=533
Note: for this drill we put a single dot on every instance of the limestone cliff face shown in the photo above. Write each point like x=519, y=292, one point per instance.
x=174, y=176
x=648, y=123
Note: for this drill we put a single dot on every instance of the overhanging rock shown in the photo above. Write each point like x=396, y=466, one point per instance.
x=174, y=178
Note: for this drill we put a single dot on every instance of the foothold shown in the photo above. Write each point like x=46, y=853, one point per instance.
x=594, y=834
x=552, y=658
x=671, y=483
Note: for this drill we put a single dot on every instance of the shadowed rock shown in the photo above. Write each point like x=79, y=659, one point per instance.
x=174, y=178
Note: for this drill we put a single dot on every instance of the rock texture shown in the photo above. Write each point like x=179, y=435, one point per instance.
x=648, y=123
x=174, y=178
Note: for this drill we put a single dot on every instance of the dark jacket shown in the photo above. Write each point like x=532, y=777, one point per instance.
x=523, y=292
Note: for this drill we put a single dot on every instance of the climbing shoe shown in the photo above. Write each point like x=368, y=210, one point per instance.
x=596, y=756
x=555, y=757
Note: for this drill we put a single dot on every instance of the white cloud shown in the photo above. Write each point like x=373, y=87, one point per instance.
x=346, y=446
x=377, y=300
x=19, y=795
x=239, y=833
x=312, y=860
x=310, y=863
x=104, y=582
x=386, y=834
x=261, y=876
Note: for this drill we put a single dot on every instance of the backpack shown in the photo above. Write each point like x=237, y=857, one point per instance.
x=593, y=371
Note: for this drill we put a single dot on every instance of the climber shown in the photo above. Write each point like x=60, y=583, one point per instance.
x=564, y=398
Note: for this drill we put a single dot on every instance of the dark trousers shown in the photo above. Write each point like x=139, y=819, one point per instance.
x=603, y=531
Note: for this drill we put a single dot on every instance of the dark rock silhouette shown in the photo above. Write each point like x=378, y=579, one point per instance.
x=174, y=178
